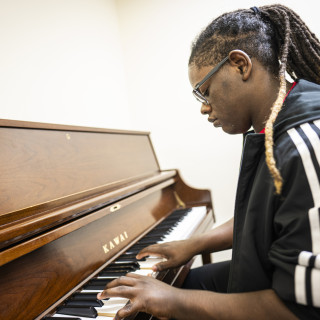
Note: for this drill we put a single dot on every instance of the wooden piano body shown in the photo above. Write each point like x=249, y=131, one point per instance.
x=72, y=199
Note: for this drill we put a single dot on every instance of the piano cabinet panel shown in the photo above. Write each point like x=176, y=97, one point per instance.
x=42, y=165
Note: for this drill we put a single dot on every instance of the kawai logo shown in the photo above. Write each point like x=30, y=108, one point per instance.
x=115, y=242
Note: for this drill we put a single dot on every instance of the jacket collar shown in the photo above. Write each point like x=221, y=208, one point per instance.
x=301, y=105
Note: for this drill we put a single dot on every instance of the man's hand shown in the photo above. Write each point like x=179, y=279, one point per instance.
x=176, y=254
x=146, y=294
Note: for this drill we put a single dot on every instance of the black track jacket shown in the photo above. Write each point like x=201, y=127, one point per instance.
x=277, y=238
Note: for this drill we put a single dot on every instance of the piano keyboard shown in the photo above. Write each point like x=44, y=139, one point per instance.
x=84, y=305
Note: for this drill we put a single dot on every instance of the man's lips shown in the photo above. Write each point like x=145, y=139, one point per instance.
x=215, y=122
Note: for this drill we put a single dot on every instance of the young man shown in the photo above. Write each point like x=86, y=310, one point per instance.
x=235, y=73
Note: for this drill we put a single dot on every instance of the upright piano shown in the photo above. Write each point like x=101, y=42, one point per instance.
x=76, y=204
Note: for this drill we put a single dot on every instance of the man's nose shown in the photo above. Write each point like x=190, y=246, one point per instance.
x=205, y=108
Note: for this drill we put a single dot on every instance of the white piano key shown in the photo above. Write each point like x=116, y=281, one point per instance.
x=90, y=291
x=115, y=300
x=112, y=306
x=147, y=265
x=143, y=272
x=82, y=318
x=186, y=227
x=182, y=230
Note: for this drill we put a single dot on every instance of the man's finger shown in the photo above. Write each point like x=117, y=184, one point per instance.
x=116, y=292
x=151, y=250
x=121, y=281
x=128, y=310
x=161, y=266
x=134, y=275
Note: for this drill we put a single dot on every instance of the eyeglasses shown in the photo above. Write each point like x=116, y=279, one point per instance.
x=196, y=92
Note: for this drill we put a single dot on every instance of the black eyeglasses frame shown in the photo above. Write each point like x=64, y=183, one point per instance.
x=196, y=92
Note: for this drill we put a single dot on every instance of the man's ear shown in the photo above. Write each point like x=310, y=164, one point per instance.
x=242, y=61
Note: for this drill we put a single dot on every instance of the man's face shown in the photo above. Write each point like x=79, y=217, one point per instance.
x=228, y=101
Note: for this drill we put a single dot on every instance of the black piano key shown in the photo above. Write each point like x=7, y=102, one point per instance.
x=174, y=217
x=161, y=227
x=128, y=257
x=97, y=284
x=89, y=312
x=136, y=247
x=84, y=303
x=132, y=251
x=152, y=239
x=98, y=287
x=169, y=221
x=124, y=260
x=112, y=274
x=86, y=296
x=146, y=242
x=181, y=211
x=154, y=235
x=123, y=264
x=120, y=270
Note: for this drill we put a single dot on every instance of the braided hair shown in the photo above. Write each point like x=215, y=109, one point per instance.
x=278, y=38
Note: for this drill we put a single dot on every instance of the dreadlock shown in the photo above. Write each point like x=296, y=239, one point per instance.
x=270, y=34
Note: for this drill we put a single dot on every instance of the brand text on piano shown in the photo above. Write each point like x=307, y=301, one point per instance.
x=115, y=242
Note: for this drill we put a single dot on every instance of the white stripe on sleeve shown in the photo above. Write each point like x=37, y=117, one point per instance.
x=304, y=258
x=317, y=262
x=313, y=138
x=300, y=287
x=315, y=282
x=308, y=165
x=317, y=123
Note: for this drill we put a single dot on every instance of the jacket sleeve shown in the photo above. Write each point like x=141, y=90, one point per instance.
x=295, y=253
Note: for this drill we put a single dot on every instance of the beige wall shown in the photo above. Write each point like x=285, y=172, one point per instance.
x=61, y=62
x=122, y=64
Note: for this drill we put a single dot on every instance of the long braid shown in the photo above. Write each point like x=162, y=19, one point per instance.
x=271, y=163
x=269, y=33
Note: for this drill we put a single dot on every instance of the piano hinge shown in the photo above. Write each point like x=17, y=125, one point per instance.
x=180, y=204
